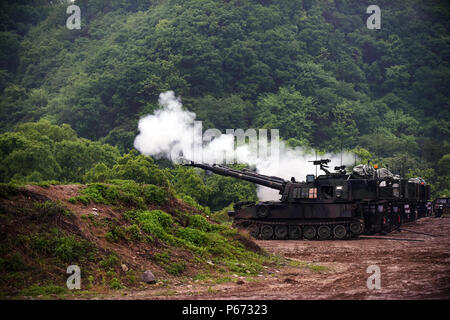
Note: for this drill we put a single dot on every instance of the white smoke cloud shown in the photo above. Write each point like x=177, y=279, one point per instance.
x=167, y=129
x=170, y=132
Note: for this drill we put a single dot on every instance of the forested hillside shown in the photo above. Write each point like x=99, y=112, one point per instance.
x=309, y=68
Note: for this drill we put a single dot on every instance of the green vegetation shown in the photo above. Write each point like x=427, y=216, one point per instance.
x=38, y=245
x=50, y=208
x=67, y=249
x=35, y=152
x=37, y=290
x=116, y=284
x=7, y=190
x=174, y=268
x=125, y=192
x=311, y=266
x=203, y=240
x=109, y=262
x=12, y=263
x=222, y=217
x=309, y=68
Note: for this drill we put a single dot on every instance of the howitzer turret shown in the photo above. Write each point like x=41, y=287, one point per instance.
x=335, y=205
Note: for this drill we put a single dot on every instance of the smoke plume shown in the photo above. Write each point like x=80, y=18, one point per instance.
x=170, y=132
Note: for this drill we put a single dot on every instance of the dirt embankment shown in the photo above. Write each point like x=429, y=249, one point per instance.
x=42, y=232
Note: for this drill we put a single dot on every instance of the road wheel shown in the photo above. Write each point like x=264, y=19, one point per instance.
x=295, y=232
x=324, y=232
x=253, y=230
x=356, y=227
x=262, y=212
x=309, y=232
x=339, y=231
x=281, y=231
x=266, y=232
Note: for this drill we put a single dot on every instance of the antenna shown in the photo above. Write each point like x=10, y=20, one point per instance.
x=316, y=160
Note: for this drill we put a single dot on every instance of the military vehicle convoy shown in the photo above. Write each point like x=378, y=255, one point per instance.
x=335, y=205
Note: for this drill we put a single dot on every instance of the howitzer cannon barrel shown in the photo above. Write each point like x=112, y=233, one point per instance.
x=271, y=182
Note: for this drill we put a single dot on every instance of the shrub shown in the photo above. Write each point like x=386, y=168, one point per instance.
x=101, y=193
x=134, y=233
x=116, y=284
x=155, y=194
x=47, y=183
x=191, y=201
x=69, y=249
x=131, y=215
x=194, y=236
x=199, y=222
x=126, y=192
x=51, y=209
x=82, y=198
x=157, y=223
x=109, y=261
x=116, y=234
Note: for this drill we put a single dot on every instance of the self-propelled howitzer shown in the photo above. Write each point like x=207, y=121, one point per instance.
x=301, y=212
x=335, y=205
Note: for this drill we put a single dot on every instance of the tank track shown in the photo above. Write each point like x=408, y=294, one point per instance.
x=301, y=230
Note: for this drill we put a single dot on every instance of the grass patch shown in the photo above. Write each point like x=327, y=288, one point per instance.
x=193, y=203
x=116, y=234
x=157, y=224
x=310, y=266
x=46, y=184
x=134, y=233
x=199, y=222
x=223, y=246
x=116, y=284
x=51, y=209
x=12, y=263
x=37, y=290
x=67, y=249
x=123, y=192
x=109, y=262
x=175, y=268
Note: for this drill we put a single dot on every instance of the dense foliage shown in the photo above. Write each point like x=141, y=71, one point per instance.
x=310, y=68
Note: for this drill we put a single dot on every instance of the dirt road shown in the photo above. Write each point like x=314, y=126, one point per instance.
x=412, y=265
x=416, y=266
